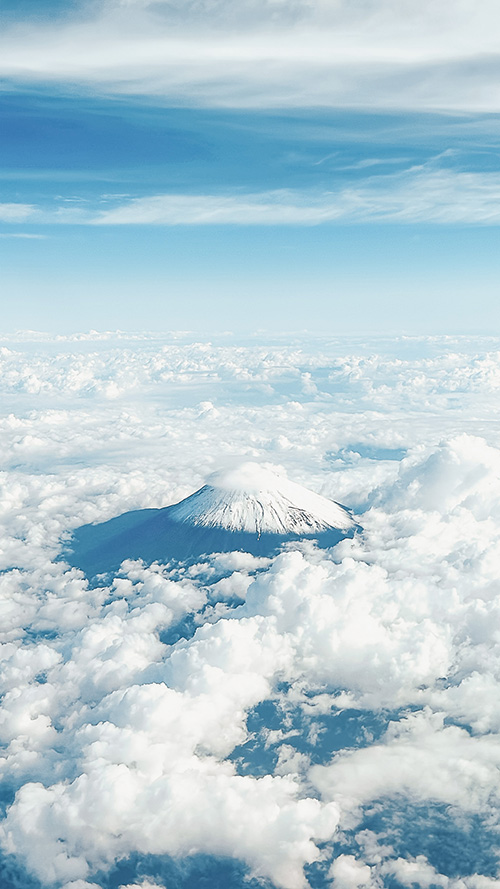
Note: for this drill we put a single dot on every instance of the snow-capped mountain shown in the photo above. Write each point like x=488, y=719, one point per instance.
x=256, y=501
x=249, y=509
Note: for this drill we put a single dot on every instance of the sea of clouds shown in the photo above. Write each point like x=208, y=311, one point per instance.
x=318, y=719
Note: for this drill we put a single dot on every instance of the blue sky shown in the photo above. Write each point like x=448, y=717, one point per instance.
x=281, y=166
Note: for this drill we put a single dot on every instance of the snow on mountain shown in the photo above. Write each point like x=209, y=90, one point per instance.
x=249, y=509
x=254, y=500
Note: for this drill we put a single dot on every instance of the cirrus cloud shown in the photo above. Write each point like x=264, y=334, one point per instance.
x=413, y=56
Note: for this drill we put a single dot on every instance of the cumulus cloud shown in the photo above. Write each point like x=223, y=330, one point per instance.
x=349, y=873
x=248, y=708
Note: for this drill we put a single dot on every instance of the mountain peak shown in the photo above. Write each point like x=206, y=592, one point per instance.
x=248, y=508
x=249, y=477
x=253, y=499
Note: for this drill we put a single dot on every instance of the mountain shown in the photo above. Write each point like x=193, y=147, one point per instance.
x=248, y=508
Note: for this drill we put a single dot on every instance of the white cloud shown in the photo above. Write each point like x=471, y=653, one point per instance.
x=432, y=55
x=421, y=759
x=82, y=884
x=418, y=872
x=16, y=212
x=144, y=884
x=348, y=873
x=418, y=194
x=23, y=235
x=116, y=738
x=414, y=196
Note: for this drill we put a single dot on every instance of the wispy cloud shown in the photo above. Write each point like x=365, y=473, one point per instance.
x=13, y=212
x=23, y=236
x=419, y=195
x=423, y=54
x=267, y=208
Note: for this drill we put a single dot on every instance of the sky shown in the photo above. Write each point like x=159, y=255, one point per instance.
x=269, y=165
x=265, y=232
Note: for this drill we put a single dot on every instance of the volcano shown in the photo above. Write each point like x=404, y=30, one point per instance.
x=250, y=509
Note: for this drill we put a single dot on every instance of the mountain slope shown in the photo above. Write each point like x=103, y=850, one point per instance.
x=249, y=509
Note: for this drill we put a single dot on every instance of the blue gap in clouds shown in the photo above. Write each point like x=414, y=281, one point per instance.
x=194, y=872
x=183, y=629
x=317, y=736
x=14, y=876
x=207, y=574
x=151, y=149
x=370, y=452
x=186, y=627
x=455, y=843
x=7, y=794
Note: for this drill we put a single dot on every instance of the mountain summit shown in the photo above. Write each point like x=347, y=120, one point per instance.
x=250, y=509
x=254, y=500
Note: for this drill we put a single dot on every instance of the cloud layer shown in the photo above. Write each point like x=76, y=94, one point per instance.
x=269, y=711
x=270, y=54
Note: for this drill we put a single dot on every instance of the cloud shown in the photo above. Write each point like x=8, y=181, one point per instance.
x=130, y=709
x=271, y=54
x=23, y=236
x=424, y=194
x=420, y=758
x=16, y=212
x=348, y=873
x=418, y=195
